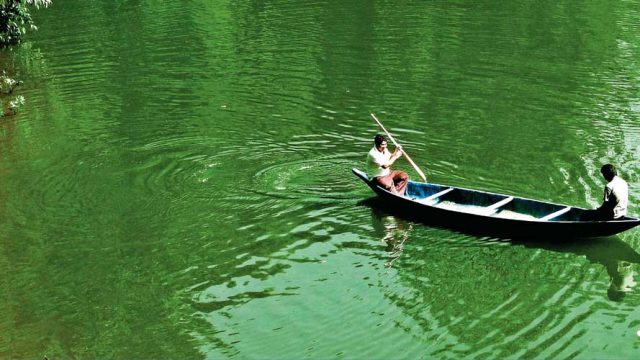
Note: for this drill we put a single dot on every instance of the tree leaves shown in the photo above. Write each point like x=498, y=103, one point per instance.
x=15, y=18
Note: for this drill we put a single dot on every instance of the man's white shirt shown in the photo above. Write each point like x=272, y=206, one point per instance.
x=619, y=190
x=375, y=160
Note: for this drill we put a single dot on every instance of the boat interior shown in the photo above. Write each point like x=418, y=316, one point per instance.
x=488, y=204
x=495, y=205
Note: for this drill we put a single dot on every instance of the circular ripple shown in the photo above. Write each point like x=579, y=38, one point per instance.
x=323, y=179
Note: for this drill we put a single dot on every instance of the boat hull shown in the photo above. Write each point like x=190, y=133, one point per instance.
x=491, y=225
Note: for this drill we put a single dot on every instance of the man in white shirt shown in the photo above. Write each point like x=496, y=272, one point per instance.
x=616, y=194
x=379, y=161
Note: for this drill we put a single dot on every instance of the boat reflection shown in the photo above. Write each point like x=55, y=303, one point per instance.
x=394, y=232
x=618, y=258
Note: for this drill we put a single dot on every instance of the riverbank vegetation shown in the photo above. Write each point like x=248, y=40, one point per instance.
x=15, y=20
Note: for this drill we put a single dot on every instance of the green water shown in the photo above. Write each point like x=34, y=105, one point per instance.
x=178, y=184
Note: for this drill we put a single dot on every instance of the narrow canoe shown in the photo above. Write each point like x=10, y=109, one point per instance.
x=492, y=214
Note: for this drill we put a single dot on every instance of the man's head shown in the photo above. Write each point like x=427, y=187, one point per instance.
x=608, y=172
x=380, y=141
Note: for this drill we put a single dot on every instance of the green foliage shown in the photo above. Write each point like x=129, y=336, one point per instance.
x=12, y=107
x=9, y=104
x=15, y=19
x=7, y=84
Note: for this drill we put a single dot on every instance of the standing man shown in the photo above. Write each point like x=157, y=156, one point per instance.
x=616, y=195
x=379, y=161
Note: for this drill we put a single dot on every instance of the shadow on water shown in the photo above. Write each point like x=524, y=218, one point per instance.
x=611, y=252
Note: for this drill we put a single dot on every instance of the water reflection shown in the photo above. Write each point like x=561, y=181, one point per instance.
x=394, y=232
x=621, y=275
x=616, y=256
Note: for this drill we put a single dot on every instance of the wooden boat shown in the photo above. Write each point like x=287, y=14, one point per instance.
x=486, y=213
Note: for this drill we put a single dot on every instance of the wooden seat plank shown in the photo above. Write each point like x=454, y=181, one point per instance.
x=500, y=203
x=556, y=214
x=434, y=196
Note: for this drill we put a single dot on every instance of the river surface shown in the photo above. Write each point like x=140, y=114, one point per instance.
x=178, y=184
